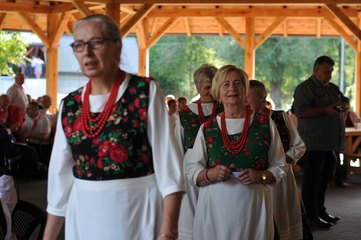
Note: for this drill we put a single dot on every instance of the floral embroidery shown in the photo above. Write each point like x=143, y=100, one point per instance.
x=190, y=123
x=255, y=153
x=122, y=149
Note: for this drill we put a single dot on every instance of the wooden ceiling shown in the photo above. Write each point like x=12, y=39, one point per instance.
x=154, y=18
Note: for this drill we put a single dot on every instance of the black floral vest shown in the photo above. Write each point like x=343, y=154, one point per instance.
x=254, y=154
x=191, y=123
x=277, y=117
x=122, y=149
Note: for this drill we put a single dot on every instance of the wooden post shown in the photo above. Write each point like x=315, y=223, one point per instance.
x=143, y=62
x=358, y=78
x=249, y=51
x=52, y=64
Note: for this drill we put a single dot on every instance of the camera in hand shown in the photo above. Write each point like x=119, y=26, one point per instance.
x=340, y=108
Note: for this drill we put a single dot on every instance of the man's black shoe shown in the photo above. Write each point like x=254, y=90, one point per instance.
x=329, y=218
x=318, y=222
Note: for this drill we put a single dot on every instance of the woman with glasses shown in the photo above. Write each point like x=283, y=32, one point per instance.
x=238, y=154
x=115, y=172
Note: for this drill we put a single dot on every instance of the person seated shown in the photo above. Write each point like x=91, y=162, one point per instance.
x=36, y=131
x=28, y=161
x=10, y=115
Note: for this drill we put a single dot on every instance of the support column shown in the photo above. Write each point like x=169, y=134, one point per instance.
x=249, y=51
x=113, y=10
x=358, y=78
x=143, y=62
x=52, y=64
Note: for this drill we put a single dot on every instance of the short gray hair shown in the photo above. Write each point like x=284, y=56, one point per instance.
x=204, y=72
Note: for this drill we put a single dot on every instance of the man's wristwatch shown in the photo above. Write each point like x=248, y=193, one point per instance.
x=264, y=177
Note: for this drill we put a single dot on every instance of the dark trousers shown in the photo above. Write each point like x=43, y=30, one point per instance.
x=340, y=171
x=318, y=169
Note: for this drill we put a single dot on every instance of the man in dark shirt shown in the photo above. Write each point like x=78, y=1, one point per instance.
x=319, y=105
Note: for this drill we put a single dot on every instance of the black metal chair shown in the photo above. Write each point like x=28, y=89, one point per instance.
x=26, y=218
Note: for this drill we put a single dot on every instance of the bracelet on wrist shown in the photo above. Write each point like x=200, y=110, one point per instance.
x=206, y=178
x=168, y=236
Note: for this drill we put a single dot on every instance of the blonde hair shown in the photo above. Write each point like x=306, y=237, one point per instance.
x=258, y=88
x=222, y=73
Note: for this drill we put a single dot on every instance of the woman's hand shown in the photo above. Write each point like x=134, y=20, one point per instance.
x=250, y=176
x=219, y=173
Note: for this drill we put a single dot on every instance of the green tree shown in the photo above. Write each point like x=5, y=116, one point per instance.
x=282, y=63
x=12, y=51
x=173, y=59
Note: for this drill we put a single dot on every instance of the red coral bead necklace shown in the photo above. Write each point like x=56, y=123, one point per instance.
x=93, y=126
x=237, y=145
x=201, y=113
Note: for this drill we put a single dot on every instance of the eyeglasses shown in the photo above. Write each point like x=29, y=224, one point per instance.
x=94, y=43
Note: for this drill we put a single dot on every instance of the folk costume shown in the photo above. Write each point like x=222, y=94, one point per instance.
x=285, y=196
x=109, y=184
x=231, y=210
x=187, y=126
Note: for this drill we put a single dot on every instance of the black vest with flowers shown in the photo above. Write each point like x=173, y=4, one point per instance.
x=122, y=149
x=255, y=152
x=277, y=117
x=191, y=123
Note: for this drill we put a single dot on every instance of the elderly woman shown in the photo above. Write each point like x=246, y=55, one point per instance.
x=286, y=203
x=114, y=160
x=187, y=126
x=238, y=154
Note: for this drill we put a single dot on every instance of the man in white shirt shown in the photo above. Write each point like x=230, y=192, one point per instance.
x=17, y=93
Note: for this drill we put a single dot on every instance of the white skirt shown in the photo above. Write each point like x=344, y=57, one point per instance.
x=114, y=209
x=231, y=210
x=287, y=208
x=188, y=207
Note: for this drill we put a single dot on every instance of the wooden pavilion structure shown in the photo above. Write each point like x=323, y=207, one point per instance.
x=249, y=22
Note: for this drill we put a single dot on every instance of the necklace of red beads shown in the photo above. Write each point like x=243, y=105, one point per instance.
x=93, y=126
x=201, y=113
x=237, y=145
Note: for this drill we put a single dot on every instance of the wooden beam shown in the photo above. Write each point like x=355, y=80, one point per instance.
x=143, y=62
x=231, y=31
x=141, y=34
x=127, y=9
x=2, y=17
x=153, y=27
x=187, y=27
x=268, y=31
x=345, y=20
x=244, y=11
x=318, y=27
x=52, y=61
x=24, y=7
x=36, y=29
x=136, y=18
x=285, y=29
x=62, y=25
x=220, y=30
x=112, y=10
x=249, y=50
x=82, y=8
x=342, y=32
x=159, y=33
x=177, y=2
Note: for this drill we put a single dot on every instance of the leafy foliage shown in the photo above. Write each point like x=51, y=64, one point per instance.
x=12, y=51
x=281, y=63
